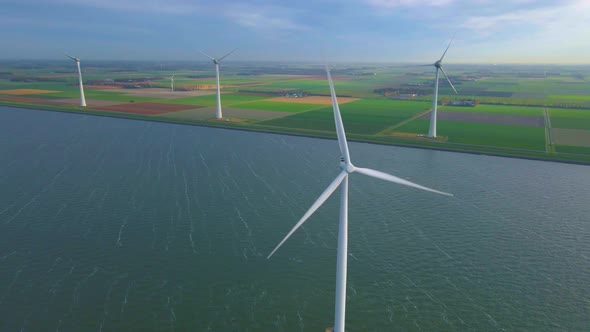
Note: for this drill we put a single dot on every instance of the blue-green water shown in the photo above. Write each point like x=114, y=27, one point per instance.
x=120, y=225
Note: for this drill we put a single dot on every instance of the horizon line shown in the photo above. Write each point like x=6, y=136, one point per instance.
x=414, y=62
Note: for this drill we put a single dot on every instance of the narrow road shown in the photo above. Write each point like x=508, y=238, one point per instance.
x=399, y=124
x=549, y=144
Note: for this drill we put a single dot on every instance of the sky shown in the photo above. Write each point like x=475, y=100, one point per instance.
x=486, y=31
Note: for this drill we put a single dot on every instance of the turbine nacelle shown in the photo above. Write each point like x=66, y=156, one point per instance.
x=438, y=64
x=217, y=61
x=73, y=58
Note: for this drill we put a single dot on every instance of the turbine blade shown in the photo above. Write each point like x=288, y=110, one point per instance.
x=395, y=179
x=223, y=57
x=71, y=57
x=452, y=86
x=210, y=57
x=447, y=49
x=338, y=120
x=323, y=197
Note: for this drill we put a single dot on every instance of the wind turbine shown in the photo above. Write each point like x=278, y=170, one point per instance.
x=342, y=179
x=82, y=98
x=438, y=66
x=218, y=114
x=172, y=82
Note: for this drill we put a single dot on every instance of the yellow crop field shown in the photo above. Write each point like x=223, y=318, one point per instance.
x=24, y=92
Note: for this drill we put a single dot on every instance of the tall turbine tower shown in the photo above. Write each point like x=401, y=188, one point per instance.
x=172, y=82
x=218, y=114
x=342, y=179
x=438, y=66
x=82, y=98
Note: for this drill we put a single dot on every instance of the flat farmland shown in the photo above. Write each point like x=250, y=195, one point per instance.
x=211, y=100
x=317, y=100
x=573, y=149
x=185, y=79
x=570, y=118
x=111, y=95
x=24, y=92
x=497, y=109
x=571, y=97
x=561, y=100
x=208, y=113
x=75, y=102
x=392, y=111
x=366, y=116
x=509, y=136
x=571, y=137
x=146, y=108
x=344, y=87
x=309, y=85
x=90, y=102
x=67, y=91
x=570, y=123
x=510, y=114
x=159, y=93
x=30, y=100
x=277, y=106
x=496, y=118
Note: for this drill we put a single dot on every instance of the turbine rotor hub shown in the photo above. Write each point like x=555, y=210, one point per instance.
x=348, y=167
x=437, y=64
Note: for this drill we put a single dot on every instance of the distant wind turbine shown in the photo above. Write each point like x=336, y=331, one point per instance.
x=342, y=179
x=172, y=82
x=82, y=98
x=218, y=114
x=438, y=66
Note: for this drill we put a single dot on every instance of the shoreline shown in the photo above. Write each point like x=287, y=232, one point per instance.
x=502, y=152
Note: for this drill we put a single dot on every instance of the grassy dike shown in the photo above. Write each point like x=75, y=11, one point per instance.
x=385, y=140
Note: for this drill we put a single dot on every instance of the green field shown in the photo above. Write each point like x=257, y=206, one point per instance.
x=497, y=109
x=570, y=118
x=357, y=88
x=573, y=149
x=570, y=97
x=211, y=100
x=74, y=92
x=508, y=136
x=277, y=106
x=365, y=117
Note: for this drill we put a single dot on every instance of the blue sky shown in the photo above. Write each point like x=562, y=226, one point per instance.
x=487, y=31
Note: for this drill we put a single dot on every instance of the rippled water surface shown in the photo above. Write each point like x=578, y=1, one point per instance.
x=119, y=225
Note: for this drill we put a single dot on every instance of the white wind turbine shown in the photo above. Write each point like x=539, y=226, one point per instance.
x=438, y=66
x=172, y=82
x=218, y=114
x=82, y=98
x=342, y=179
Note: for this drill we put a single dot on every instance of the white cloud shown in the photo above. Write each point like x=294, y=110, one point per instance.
x=407, y=3
x=564, y=15
x=262, y=17
x=252, y=15
x=171, y=7
x=555, y=33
